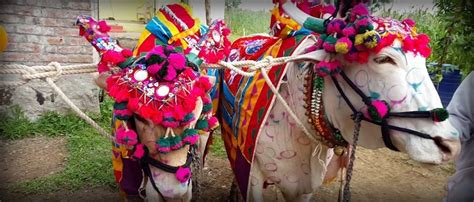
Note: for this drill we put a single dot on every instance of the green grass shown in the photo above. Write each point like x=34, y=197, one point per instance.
x=245, y=22
x=217, y=146
x=89, y=160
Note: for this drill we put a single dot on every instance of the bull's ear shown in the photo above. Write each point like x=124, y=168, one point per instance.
x=100, y=79
x=313, y=56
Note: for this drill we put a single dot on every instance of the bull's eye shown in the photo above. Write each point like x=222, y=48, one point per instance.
x=384, y=60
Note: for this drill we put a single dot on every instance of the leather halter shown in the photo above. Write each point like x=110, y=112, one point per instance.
x=383, y=123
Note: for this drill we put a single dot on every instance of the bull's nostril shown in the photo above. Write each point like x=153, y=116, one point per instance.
x=439, y=142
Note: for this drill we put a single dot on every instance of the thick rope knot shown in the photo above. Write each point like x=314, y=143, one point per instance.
x=59, y=70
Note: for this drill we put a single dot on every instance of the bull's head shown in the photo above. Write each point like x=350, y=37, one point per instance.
x=383, y=75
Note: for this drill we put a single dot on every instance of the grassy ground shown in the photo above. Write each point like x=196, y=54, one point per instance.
x=89, y=159
x=88, y=162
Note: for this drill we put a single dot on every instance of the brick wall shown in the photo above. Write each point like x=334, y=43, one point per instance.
x=40, y=32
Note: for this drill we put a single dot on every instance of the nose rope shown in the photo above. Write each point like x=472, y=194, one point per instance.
x=378, y=113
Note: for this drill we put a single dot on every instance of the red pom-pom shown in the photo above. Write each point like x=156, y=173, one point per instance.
x=127, y=53
x=409, y=22
x=133, y=104
x=408, y=44
x=113, y=57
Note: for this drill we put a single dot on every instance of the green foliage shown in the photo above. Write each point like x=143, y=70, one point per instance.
x=232, y=3
x=245, y=22
x=458, y=52
x=89, y=160
x=457, y=44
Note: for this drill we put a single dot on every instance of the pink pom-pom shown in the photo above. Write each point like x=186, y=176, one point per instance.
x=177, y=61
x=128, y=138
x=324, y=68
x=103, y=27
x=163, y=149
x=170, y=74
x=139, y=151
x=328, y=47
x=183, y=174
x=154, y=68
x=213, y=122
x=158, y=50
x=191, y=139
x=329, y=9
x=409, y=22
x=359, y=10
x=381, y=107
x=335, y=26
x=343, y=45
x=349, y=31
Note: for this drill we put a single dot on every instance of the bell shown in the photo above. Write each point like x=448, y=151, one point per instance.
x=339, y=150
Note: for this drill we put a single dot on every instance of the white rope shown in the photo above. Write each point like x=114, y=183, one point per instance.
x=263, y=65
x=52, y=72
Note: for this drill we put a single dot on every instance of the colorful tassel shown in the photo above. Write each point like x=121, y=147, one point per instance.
x=377, y=110
x=439, y=114
x=371, y=39
x=139, y=151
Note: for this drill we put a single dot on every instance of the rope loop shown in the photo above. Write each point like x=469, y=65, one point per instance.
x=59, y=70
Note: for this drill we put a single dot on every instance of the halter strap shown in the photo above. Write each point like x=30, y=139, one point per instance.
x=146, y=161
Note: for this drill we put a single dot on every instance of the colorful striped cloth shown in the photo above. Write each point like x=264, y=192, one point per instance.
x=246, y=101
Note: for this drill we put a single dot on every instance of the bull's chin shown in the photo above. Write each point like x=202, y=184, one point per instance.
x=427, y=157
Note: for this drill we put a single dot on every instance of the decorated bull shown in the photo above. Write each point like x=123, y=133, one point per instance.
x=359, y=74
x=163, y=109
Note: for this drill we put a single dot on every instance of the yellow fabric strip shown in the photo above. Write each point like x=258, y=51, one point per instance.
x=145, y=34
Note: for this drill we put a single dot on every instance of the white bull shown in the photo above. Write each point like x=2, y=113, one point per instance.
x=284, y=156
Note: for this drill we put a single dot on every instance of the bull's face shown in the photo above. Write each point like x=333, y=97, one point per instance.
x=397, y=75
x=402, y=80
x=167, y=183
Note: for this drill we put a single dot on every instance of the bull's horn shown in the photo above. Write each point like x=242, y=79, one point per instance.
x=307, y=21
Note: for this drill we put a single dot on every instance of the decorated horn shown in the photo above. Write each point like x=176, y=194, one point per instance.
x=307, y=21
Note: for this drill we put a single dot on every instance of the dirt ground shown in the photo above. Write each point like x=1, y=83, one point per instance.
x=379, y=175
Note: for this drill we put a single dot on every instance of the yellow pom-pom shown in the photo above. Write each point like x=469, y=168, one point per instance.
x=359, y=39
x=342, y=48
x=3, y=39
x=371, y=39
